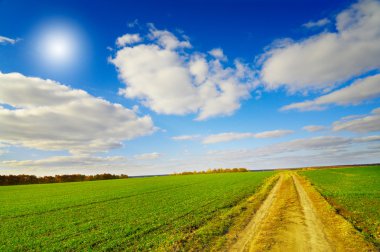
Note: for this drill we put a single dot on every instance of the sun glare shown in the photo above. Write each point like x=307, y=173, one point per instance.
x=58, y=45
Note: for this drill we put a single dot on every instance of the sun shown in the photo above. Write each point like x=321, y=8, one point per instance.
x=58, y=45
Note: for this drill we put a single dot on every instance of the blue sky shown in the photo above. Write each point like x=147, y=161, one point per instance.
x=160, y=87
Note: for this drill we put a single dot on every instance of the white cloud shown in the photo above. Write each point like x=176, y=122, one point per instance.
x=316, y=151
x=226, y=137
x=314, y=128
x=168, y=80
x=199, y=68
x=167, y=40
x=185, y=137
x=156, y=77
x=361, y=90
x=362, y=124
x=273, y=133
x=83, y=164
x=315, y=143
x=232, y=136
x=47, y=115
x=65, y=161
x=128, y=39
x=314, y=24
x=321, y=143
x=5, y=40
x=147, y=156
x=303, y=152
x=329, y=58
x=367, y=139
x=218, y=54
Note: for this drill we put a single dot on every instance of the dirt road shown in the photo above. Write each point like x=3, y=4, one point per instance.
x=295, y=217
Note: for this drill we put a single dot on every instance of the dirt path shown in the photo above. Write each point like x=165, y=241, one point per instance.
x=294, y=217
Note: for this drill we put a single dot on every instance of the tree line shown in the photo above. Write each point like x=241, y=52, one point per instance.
x=209, y=171
x=32, y=179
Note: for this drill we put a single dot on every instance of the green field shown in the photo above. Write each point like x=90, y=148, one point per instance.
x=355, y=193
x=125, y=214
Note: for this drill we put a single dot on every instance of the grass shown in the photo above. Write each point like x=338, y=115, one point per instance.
x=354, y=193
x=155, y=213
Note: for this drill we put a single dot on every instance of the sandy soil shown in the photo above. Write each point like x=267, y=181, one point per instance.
x=295, y=217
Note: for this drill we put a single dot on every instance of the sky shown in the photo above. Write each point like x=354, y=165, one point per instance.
x=158, y=87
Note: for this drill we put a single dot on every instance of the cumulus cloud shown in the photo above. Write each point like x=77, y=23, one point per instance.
x=329, y=58
x=361, y=90
x=147, y=156
x=128, y=39
x=315, y=24
x=6, y=40
x=165, y=77
x=47, y=115
x=232, y=136
x=218, y=53
x=167, y=39
x=314, y=128
x=360, y=124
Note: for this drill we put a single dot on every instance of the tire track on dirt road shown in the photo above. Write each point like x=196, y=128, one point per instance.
x=294, y=217
x=254, y=225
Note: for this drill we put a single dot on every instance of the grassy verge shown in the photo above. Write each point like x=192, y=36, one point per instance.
x=222, y=231
x=354, y=193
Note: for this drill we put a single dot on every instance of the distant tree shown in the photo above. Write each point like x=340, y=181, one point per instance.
x=32, y=179
x=209, y=171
